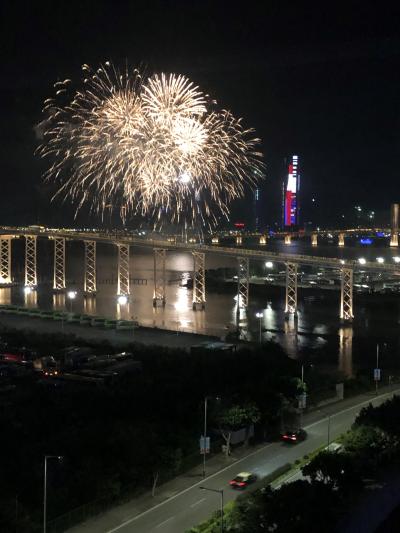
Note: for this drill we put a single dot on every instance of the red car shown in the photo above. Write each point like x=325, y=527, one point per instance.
x=242, y=480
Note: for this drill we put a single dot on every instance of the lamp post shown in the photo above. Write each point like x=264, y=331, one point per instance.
x=46, y=457
x=329, y=431
x=205, y=436
x=221, y=492
x=259, y=315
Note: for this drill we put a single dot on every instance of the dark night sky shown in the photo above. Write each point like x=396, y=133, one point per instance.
x=313, y=79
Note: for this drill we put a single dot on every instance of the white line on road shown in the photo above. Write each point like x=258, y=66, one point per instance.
x=197, y=503
x=165, y=521
x=178, y=494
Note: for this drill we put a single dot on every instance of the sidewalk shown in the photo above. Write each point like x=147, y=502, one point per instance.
x=165, y=491
x=121, y=513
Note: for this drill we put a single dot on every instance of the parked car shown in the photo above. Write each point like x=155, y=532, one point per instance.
x=242, y=480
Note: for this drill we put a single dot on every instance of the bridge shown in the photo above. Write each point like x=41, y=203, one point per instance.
x=123, y=241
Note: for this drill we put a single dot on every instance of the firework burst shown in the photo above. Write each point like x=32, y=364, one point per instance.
x=154, y=146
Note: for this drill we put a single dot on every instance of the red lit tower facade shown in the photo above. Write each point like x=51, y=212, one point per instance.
x=291, y=190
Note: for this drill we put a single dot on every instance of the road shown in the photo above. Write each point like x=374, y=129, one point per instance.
x=193, y=505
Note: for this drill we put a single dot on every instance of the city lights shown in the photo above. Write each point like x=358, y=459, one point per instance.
x=380, y=260
x=269, y=264
x=362, y=261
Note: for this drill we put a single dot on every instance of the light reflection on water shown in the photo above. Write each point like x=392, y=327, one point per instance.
x=317, y=317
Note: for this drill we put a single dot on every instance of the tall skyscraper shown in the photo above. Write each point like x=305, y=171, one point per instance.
x=291, y=190
x=256, y=209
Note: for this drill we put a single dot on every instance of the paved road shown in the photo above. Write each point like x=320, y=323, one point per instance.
x=193, y=505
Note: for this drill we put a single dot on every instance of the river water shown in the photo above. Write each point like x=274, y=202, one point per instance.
x=317, y=333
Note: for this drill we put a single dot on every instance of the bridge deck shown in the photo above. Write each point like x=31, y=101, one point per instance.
x=262, y=255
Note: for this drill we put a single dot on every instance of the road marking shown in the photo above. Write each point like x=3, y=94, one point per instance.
x=197, y=503
x=165, y=521
x=236, y=463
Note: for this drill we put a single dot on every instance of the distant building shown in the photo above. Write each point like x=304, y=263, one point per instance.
x=290, y=194
x=257, y=209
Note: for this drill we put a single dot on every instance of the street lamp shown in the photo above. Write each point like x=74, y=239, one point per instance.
x=205, y=431
x=259, y=315
x=329, y=431
x=205, y=436
x=59, y=457
x=221, y=492
x=122, y=299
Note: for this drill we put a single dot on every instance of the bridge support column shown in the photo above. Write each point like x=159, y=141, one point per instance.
x=239, y=240
x=215, y=240
x=314, y=239
x=123, y=269
x=159, y=277
x=5, y=260
x=263, y=240
x=90, y=282
x=288, y=239
x=346, y=298
x=59, y=264
x=30, y=261
x=199, y=280
x=341, y=239
x=291, y=290
x=243, y=283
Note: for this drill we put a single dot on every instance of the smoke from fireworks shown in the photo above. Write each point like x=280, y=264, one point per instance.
x=153, y=146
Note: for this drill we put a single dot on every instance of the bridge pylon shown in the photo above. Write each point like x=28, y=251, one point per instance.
x=288, y=238
x=346, y=295
x=5, y=259
x=59, y=264
x=314, y=239
x=199, y=280
x=291, y=290
x=243, y=283
x=123, y=269
x=159, y=277
x=30, y=261
x=341, y=239
x=90, y=282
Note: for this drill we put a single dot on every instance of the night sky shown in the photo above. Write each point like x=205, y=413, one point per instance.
x=312, y=79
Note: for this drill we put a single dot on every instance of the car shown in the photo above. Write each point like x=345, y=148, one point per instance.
x=242, y=480
x=294, y=435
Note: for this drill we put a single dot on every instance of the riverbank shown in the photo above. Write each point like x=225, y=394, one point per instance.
x=142, y=335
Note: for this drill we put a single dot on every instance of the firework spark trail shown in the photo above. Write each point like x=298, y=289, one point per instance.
x=153, y=146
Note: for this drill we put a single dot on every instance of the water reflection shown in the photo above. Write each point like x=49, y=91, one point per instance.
x=290, y=339
x=59, y=301
x=30, y=297
x=89, y=305
x=346, y=350
x=5, y=295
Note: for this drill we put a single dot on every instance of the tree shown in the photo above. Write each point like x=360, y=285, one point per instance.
x=234, y=418
x=335, y=469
